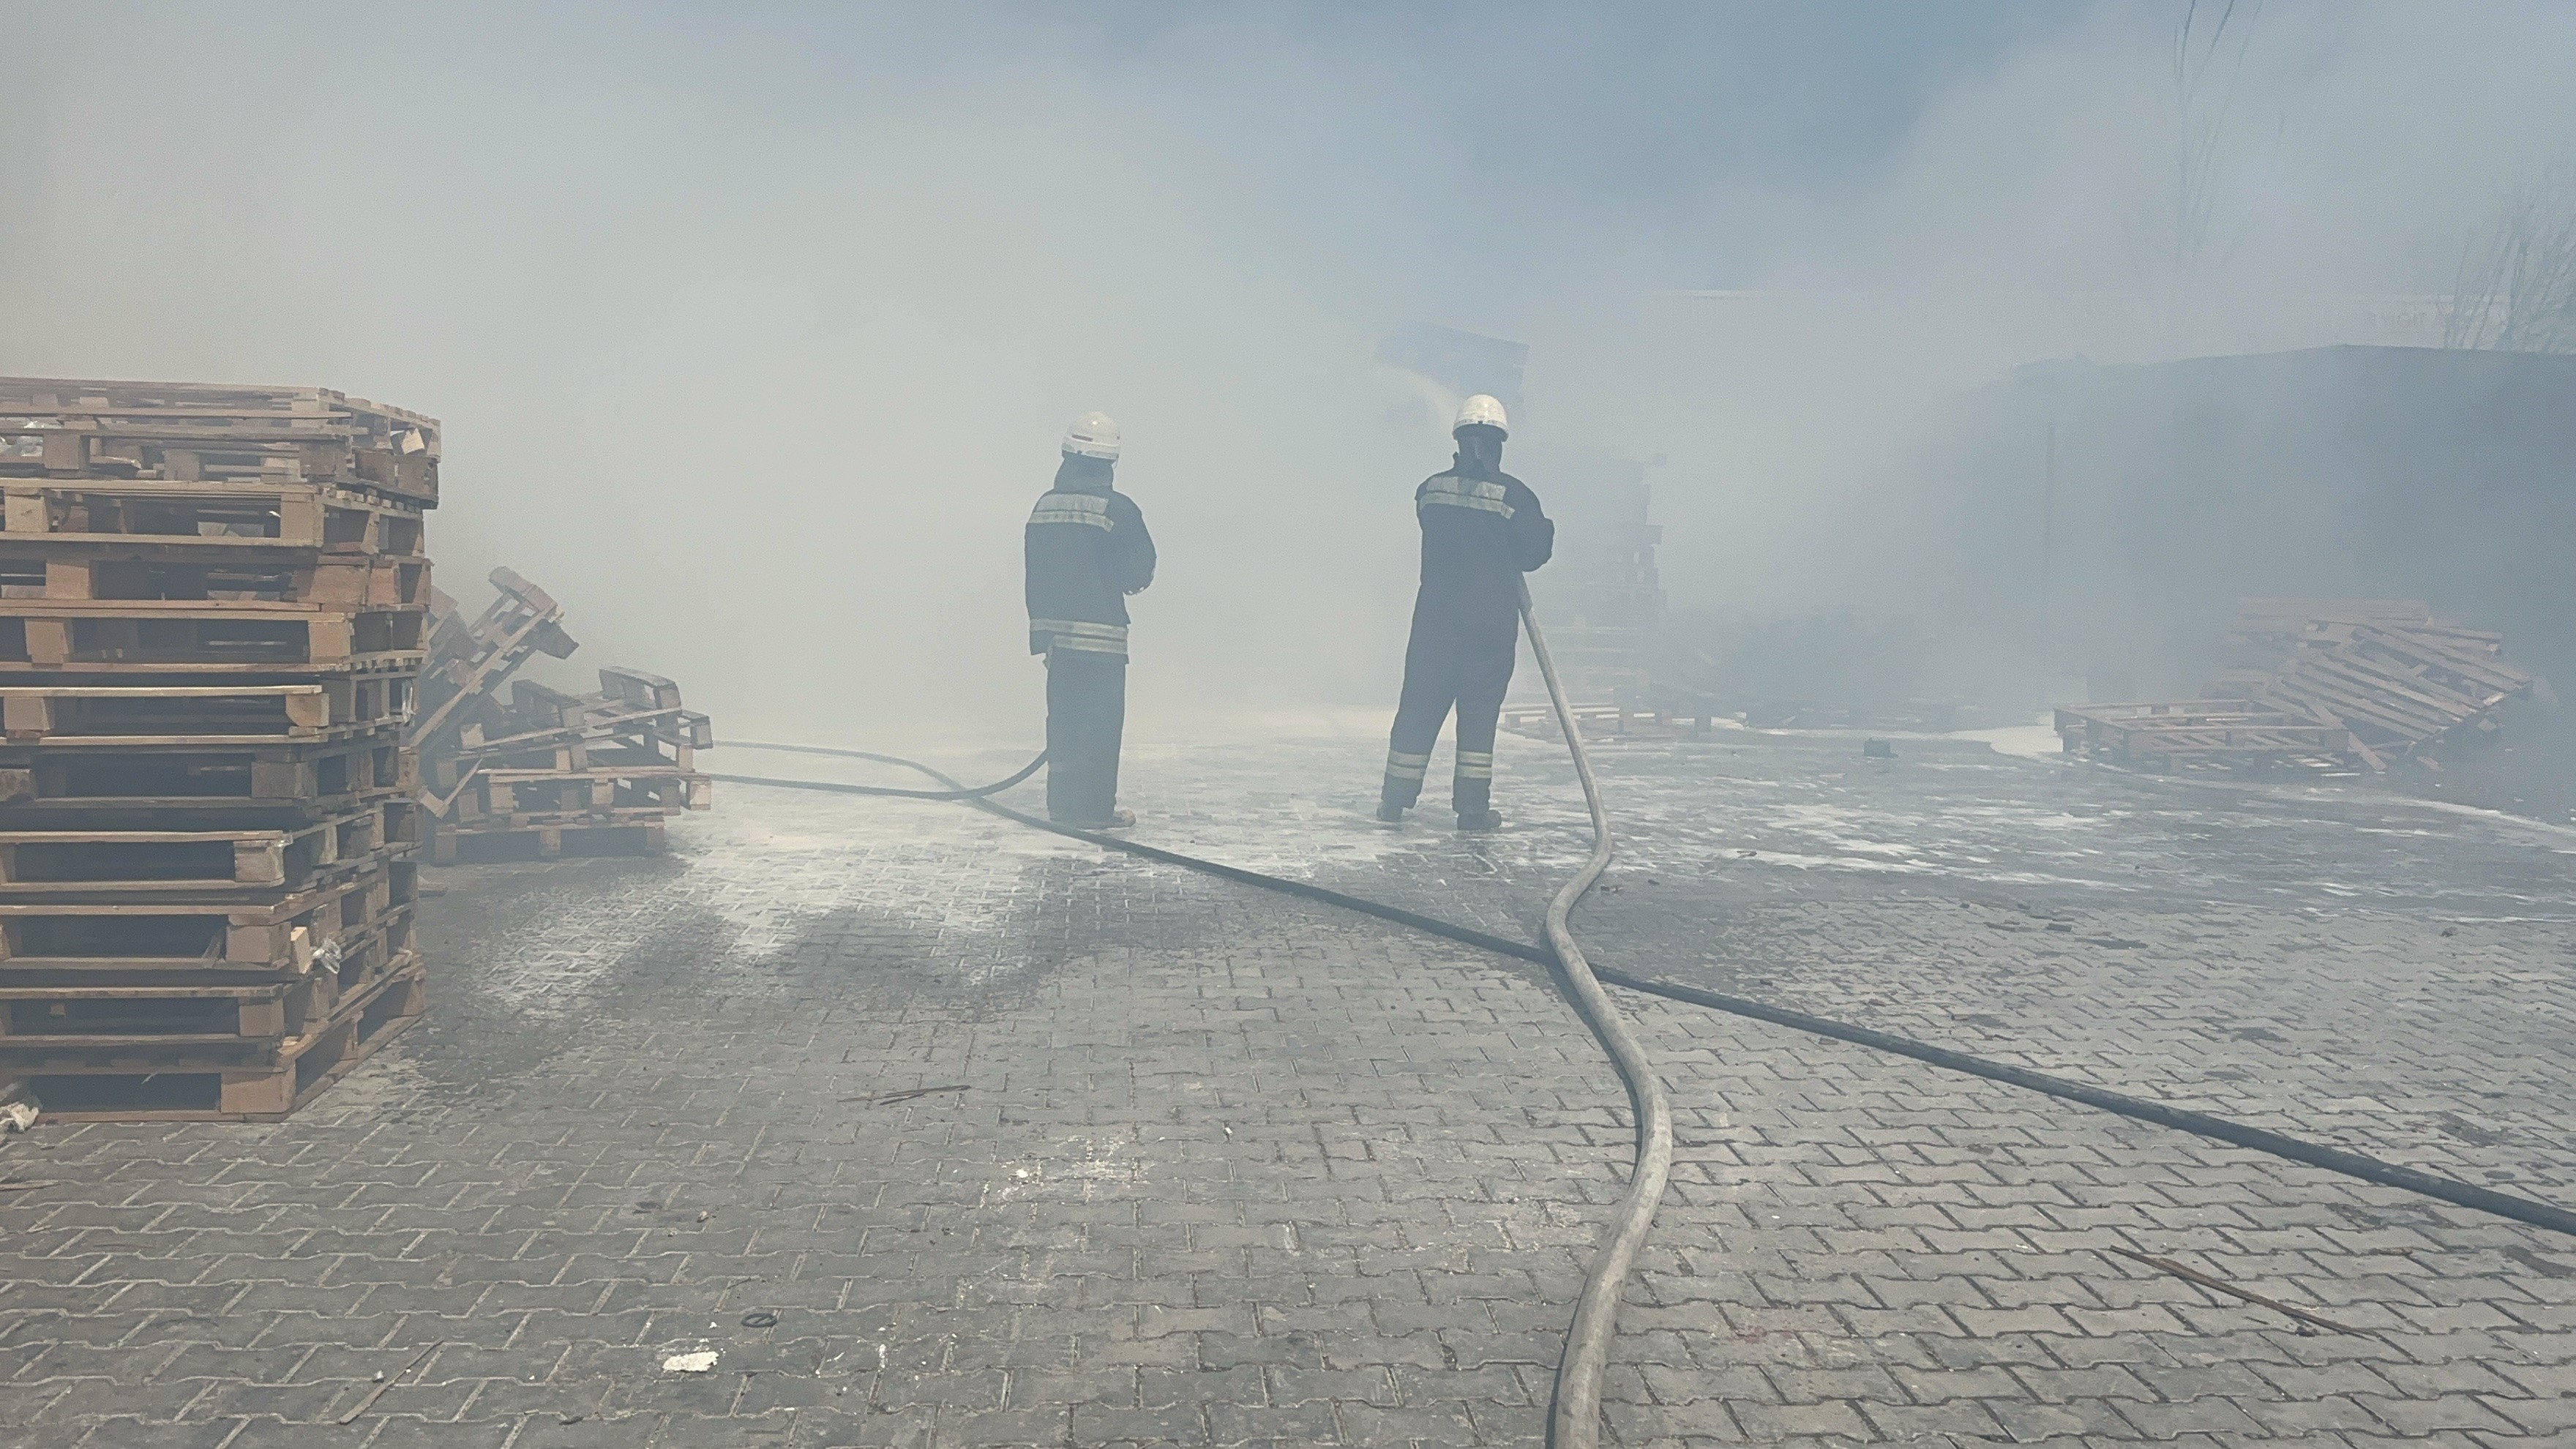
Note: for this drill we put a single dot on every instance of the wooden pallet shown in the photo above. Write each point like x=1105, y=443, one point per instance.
x=307, y=779
x=1601, y=721
x=287, y=936
x=520, y=792
x=107, y=1089
x=452, y=845
x=2187, y=733
x=189, y=431
x=679, y=729
x=69, y=1020
x=637, y=690
x=204, y=714
x=2288, y=619
x=473, y=657
x=56, y=1024
x=178, y=573
x=237, y=862
x=252, y=518
x=195, y=636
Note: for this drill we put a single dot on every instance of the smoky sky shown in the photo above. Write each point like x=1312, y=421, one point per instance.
x=754, y=327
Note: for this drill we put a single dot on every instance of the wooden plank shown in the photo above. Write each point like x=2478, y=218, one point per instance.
x=2494, y=673
x=2390, y=685
x=2409, y=728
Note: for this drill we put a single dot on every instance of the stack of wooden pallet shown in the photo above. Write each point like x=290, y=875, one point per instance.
x=2327, y=683
x=543, y=771
x=212, y=601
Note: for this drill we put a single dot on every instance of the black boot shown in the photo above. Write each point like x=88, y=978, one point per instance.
x=1481, y=820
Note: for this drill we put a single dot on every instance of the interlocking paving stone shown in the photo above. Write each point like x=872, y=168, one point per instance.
x=1232, y=1169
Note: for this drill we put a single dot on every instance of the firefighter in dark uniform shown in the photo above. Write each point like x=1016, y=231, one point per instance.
x=1087, y=551
x=1481, y=530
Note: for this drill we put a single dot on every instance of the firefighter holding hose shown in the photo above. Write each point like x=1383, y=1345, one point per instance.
x=1087, y=551
x=1481, y=530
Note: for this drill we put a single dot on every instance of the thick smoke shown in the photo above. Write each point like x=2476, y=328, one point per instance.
x=754, y=332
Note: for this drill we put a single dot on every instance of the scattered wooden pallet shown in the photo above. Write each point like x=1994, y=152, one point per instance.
x=663, y=788
x=543, y=770
x=473, y=657
x=2402, y=680
x=682, y=731
x=610, y=761
x=2355, y=683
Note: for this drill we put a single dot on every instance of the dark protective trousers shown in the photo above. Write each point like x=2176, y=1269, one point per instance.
x=1446, y=664
x=1086, y=716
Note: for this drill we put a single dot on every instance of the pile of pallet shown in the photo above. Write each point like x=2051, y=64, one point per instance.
x=211, y=610
x=2325, y=683
x=544, y=772
x=2402, y=681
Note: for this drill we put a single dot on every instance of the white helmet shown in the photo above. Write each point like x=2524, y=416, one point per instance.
x=1093, y=435
x=1483, y=411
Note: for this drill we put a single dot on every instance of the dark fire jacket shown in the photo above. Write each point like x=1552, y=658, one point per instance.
x=1087, y=550
x=1478, y=537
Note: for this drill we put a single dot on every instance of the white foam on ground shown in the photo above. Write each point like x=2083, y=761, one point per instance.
x=2030, y=741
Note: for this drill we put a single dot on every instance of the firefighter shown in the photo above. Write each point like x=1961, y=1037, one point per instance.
x=1481, y=530
x=1087, y=551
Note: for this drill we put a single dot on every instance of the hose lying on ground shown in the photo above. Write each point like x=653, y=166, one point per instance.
x=962, y=792
x=2201, y=1124
x=1575, y=1421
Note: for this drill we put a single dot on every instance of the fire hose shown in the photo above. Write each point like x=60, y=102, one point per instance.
x=1575, y=1416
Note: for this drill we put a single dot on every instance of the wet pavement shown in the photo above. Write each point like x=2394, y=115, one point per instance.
x=933, y=1130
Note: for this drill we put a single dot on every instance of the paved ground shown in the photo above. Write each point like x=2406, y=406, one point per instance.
x=1202, y=1166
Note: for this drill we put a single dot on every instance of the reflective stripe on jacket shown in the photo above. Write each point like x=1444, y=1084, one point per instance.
x=1479, y=535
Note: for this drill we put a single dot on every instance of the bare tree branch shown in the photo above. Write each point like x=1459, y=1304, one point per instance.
x=2515, y=290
